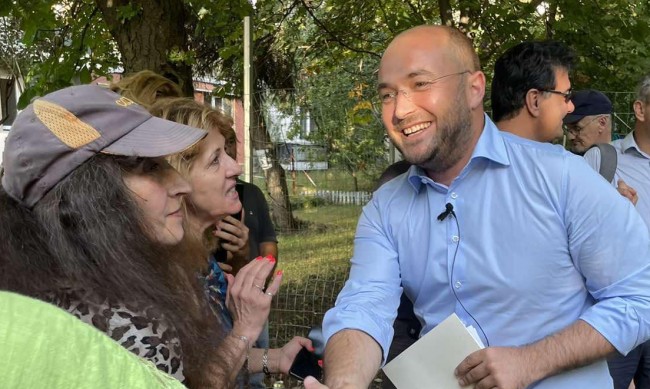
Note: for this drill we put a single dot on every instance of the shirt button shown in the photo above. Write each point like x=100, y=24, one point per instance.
x=455, y=238
x=458, y=284
x=454, y=195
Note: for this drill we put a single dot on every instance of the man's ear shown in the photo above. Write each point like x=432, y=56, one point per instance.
x=601, y=121
x=476, y=90
x=531, y=102
x=639, y=110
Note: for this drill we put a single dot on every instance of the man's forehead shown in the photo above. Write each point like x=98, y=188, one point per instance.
x=420, y=50
x=411, y=60
x=562, y=79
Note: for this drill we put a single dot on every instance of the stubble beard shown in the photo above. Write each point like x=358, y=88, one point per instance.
x=577, y=149
x=450, y=142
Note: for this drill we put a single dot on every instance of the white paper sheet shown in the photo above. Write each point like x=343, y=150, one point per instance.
x=430, y=362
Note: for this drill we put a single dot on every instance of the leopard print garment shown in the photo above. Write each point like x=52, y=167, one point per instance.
x=140, y=332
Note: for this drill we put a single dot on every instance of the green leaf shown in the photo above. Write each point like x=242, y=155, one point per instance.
x=6, y=7
x=84, y=75
x=128, y=12
x=26, y=97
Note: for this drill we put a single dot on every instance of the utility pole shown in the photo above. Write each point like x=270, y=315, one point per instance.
x=248, y=97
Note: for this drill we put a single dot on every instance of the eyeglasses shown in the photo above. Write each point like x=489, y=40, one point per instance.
x=575, y=129
x=568, y=95
x=419, y=86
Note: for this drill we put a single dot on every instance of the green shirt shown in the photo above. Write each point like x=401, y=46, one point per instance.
x=44, y=346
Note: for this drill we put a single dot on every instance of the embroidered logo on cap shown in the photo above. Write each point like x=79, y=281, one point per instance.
x=124, y=101
x=64, y=124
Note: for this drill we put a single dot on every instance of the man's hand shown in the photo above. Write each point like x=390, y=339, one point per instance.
x=497, y=367
x=627, y=191
x=312, y=383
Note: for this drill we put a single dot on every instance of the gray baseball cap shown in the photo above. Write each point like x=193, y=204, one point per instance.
x=57, y=133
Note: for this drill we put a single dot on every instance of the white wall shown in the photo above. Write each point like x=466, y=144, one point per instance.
x=3, y=136
x=13, y=100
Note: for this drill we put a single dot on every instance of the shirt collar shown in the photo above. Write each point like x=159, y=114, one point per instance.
x=628, y=144
x=490, y=146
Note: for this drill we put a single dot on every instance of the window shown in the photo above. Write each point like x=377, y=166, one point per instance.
x=224, y=104
x=8, y=101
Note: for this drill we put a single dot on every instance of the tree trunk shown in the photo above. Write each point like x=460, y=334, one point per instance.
x=551, y=13
x=446, y=16
x=147, y=32
x=276, y=179
x=355, y=181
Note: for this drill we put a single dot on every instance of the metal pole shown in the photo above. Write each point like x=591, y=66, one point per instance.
x=248, y=96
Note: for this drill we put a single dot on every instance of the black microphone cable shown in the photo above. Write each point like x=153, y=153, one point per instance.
x=449, y=210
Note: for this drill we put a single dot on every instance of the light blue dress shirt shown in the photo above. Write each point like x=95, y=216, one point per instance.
x=633, y=167
x=541, y=241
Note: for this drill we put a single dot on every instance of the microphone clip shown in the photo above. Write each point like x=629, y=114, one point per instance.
x=449, y=210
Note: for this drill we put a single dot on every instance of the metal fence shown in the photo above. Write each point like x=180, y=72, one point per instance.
x=301, y=304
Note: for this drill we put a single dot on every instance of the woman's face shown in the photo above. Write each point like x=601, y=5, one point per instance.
x=213, y=177
x=158, y=190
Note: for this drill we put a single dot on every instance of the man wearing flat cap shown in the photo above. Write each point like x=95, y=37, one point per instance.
x=590, y=122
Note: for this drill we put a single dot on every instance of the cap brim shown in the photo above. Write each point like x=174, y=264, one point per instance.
x=156, y=138
x=571, y=118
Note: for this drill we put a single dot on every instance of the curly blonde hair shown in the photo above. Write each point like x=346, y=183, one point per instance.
x=194, y=114
x=146, y=88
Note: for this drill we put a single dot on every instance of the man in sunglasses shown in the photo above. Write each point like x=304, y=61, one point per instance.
x=531, y=90
x=590, y=122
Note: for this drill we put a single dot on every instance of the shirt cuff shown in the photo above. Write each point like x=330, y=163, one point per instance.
x=618, y=322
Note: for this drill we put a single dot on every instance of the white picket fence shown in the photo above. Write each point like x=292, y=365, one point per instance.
x=342, y=197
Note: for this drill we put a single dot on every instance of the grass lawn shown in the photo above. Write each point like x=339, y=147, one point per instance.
x=328, y=241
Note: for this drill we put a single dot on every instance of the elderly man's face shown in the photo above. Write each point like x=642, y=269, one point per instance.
x=585, y=133
x=424, y=106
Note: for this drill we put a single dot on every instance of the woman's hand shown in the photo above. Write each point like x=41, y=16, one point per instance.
x=247, y=300
x=233, y=237
x=289, y=351
x=312, y=383
x=225, y=267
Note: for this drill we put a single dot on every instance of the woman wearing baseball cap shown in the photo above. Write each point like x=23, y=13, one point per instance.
x=91, y=218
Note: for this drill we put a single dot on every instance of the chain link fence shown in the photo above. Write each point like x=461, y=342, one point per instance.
x=301, y=304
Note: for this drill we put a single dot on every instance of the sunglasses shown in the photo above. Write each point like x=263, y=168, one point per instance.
x=568, y=95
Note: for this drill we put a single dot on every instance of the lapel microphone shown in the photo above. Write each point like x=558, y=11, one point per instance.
x=449, y=210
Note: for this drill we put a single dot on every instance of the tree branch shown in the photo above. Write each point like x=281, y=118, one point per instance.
x=550, y=19
x=334, y=37
x=383, y=12
x=413, y=8
x=85, y=29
